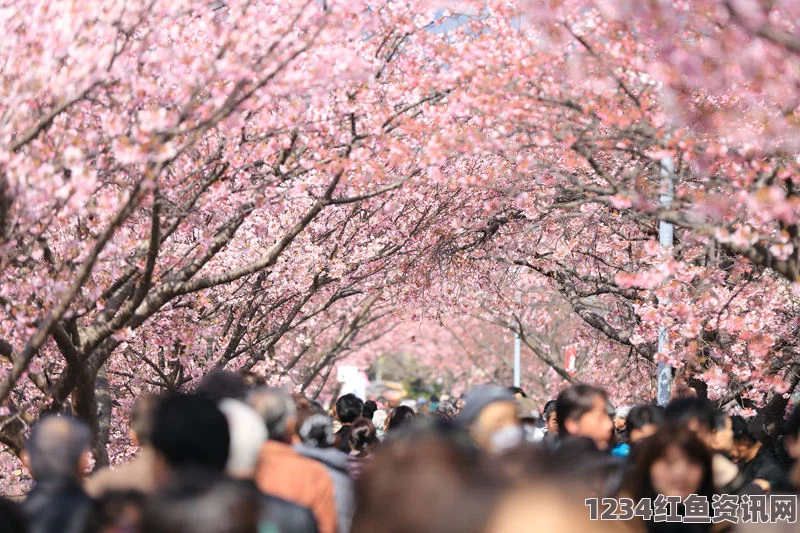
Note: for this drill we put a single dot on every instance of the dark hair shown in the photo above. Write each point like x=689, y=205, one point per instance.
x=220, y=384
x=517, y=390
x=741, y=430
x=203, y=503
x=683, y=410
x=112, y=511
x=574, y=402
x=719, y=420
x=549, y=409
x=142, y=418
x=638, y=483
x=577, y=462
x=362, y=436
x=342, y=440
x=191, y=432
x=400, y=417
x=12, y=517
x=348, y=408
x=644, y=415
x=369, y=409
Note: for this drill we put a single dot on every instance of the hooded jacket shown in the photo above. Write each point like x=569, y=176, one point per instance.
x=337, y=464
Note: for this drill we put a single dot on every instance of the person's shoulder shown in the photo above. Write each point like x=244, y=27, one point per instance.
x=312, y=467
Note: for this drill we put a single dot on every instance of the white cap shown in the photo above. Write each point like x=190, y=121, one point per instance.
x=248, y=433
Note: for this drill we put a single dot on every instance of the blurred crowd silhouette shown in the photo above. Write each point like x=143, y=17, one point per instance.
x=232, y=457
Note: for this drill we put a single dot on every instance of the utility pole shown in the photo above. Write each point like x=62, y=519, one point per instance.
x=665, y=229
x=516, y=359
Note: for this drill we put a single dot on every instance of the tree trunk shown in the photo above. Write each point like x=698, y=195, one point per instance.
x=84, y=403
x=104, y=404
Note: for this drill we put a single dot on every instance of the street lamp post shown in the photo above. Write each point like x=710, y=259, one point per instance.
x=665, y=229
x=516, y=359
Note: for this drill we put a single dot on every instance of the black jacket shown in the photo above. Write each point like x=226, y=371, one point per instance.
x=764, y=466
x=57, y=506
x=284, y=516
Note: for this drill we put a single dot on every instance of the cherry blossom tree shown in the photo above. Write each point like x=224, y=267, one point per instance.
x=581, y=110
x=188, y=185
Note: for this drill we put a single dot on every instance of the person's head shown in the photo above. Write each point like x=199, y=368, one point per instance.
x=58, y=448
x=582, y=411
x=446, y=409
x=526, y=411
x=219, y=384
x=400, y=417
x=643, y=421
x=490, y=413
x=722, y=434
x=142, y=419
x=369, y=409
x=419, y=482
x=348, y=408
x=673, y=462
x=199, y=502
x=277, y=410
x=549, y=417
x=363, y=437
x=301, y=402
x=743, y=439
x=696, y=414
x=191, y=432
x=248, y=434
x=517, y=392
x=315, y=429
x=621, y=417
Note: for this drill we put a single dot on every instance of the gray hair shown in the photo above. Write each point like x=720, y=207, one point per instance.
x=55, y=447
x=276, y=408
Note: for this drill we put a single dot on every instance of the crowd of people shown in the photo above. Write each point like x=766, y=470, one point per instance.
x=235, y=458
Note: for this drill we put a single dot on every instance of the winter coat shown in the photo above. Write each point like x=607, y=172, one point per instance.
x=337, y=464
x=57, y=506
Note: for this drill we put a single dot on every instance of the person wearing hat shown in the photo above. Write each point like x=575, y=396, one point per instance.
x=528, y=417
x=490, y=415
x=621, y=422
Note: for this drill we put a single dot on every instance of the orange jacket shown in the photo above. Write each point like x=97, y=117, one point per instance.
x=284, y=473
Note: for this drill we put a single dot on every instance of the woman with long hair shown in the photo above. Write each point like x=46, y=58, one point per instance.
x=672, y=463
